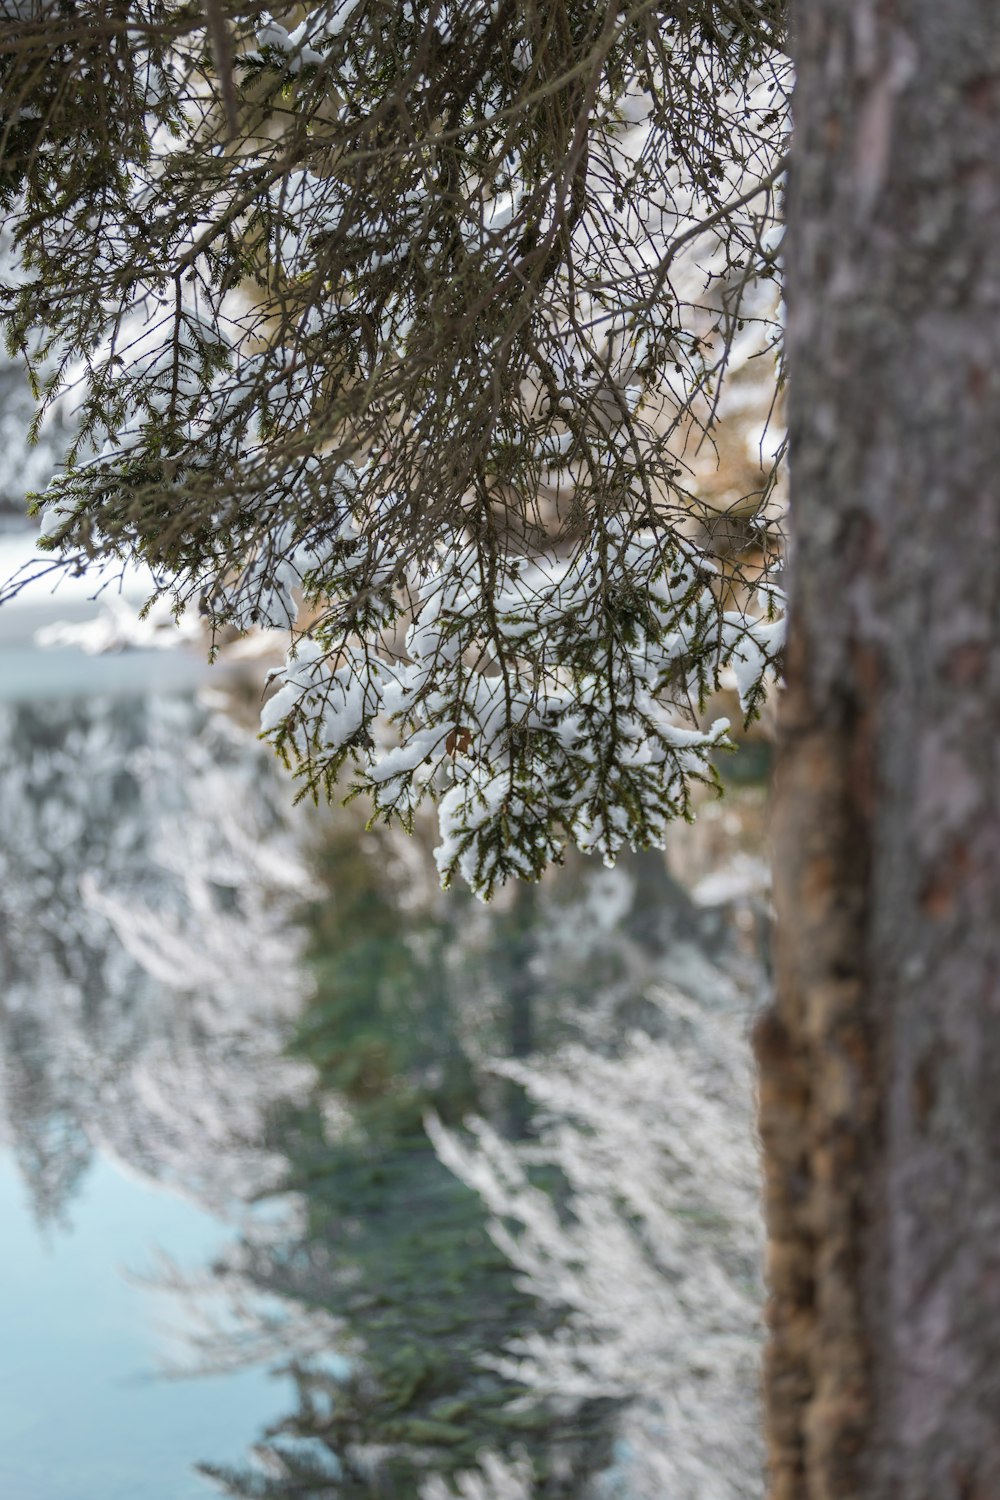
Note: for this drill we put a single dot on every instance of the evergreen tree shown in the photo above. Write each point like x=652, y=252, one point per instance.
x=400, y=326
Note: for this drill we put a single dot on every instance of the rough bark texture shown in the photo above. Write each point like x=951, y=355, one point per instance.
x=880, y=1063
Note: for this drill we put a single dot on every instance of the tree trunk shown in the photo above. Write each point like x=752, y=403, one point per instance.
x=880, y=1062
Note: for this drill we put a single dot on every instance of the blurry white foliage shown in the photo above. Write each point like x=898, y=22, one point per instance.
x=175, y=831
x=655, y=1255
x=230, y=936
x=495, y=1479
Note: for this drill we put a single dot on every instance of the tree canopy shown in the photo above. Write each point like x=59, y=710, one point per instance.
x=399, y=326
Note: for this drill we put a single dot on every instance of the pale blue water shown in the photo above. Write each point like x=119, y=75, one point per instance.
x=79, y=1417
x=84, y=1413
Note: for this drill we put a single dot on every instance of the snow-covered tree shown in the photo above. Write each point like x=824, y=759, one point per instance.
x=403, y=326
x=650, y=1245
x=149, y=961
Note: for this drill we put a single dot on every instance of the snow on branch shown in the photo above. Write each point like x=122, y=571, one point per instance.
x=408, y=329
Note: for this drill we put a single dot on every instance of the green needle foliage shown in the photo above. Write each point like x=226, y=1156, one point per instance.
x=397, y=325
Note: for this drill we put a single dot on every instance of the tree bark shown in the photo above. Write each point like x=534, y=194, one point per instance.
x=880, y=1061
